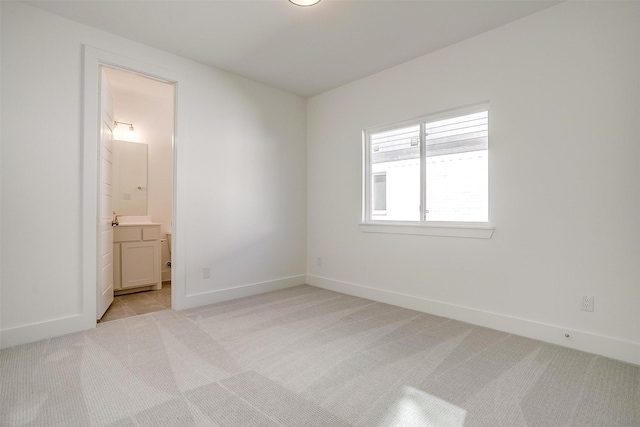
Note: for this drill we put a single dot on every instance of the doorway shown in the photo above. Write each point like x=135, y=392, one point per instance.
x=151, y=67
x=136, y=194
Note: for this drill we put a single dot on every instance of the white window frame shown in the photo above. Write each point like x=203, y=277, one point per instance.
x=424, y=226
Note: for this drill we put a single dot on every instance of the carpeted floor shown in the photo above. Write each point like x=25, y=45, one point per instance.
x=309, y=357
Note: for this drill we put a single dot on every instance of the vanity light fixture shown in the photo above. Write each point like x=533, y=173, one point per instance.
x=124, y=134
x=131, y=129
x=304, y=3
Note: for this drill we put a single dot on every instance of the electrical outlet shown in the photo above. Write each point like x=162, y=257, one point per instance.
x=319, y=261
x=586, y=302
x=206, y=273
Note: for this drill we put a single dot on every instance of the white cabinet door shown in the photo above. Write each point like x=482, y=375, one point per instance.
x=117, y=271
x=140, y=263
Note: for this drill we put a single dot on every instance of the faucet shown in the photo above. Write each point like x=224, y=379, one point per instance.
x=115, y=221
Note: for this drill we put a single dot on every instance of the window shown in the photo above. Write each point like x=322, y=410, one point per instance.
x=429, y=171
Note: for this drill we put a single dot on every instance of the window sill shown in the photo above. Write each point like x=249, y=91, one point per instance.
x=448, y=230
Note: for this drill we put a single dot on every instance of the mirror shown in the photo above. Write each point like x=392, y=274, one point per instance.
x=129, y=178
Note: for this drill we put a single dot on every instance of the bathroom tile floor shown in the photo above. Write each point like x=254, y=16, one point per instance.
x=139, y=303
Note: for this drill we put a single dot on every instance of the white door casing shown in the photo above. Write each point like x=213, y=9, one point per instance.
x=104, y=285
x=94, y=59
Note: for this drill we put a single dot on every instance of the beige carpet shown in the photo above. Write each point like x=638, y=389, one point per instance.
x=309, y=357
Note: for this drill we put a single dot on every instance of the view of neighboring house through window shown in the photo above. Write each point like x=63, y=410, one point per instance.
x=434, y=169
x=380, y=193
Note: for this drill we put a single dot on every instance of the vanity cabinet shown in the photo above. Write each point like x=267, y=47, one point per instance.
x=136, y=250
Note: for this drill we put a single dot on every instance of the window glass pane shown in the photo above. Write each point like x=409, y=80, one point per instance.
x=380, y=192
x=395, y=156
x=457, y=169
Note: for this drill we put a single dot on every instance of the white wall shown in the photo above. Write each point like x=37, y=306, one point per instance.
x=153, y=120
x=564, y=164
x=241, y=149
x=564, y=167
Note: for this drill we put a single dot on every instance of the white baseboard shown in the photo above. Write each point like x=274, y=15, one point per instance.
x=626, y=351
x=205, y=298
x=43, y=330
x=614, y=348
x=57, y=327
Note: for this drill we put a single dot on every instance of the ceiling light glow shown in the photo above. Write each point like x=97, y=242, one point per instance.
x=304, y=3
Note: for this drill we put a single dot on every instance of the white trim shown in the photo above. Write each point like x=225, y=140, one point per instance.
x=367, y=174
x=90, y=192
x=423, y=172
x=366, y=168
x=448, y=230
x=93, y=59
x=41, y=330
x=212, y=297
x=614, y=348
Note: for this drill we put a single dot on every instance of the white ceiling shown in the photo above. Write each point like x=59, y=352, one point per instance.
x=302, y=50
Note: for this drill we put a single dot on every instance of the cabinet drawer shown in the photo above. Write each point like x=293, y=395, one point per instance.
x=127, y=234
x=150, y=233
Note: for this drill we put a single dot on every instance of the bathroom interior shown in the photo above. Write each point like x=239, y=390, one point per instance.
x=142, y=193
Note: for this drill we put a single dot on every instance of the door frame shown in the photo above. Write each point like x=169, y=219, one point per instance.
x=93, y=60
